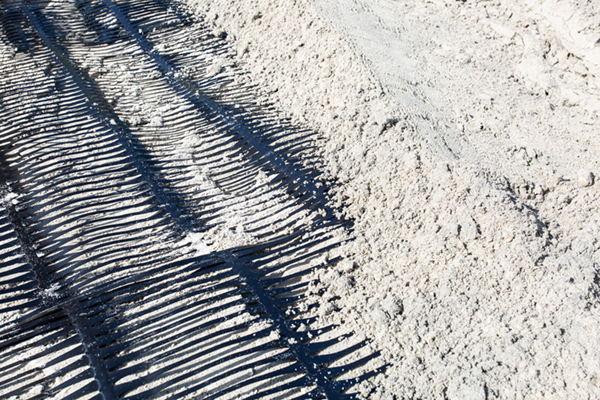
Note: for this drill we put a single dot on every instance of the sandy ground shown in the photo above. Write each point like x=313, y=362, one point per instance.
x=462, y=137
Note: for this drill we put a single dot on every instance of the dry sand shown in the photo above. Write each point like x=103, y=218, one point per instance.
x=462, y=137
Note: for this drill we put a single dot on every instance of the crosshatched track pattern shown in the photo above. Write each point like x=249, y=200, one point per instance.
x=157, y=226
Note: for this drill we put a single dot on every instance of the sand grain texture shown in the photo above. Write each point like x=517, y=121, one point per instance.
x=462, y=138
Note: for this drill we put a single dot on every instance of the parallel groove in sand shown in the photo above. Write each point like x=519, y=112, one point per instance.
x=120, y=304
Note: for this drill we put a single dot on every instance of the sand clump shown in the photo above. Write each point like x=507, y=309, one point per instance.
x=461, y=137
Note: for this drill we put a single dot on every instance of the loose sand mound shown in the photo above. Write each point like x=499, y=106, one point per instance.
x=463, y=139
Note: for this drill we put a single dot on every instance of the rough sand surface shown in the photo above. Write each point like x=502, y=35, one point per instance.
x=463, y=139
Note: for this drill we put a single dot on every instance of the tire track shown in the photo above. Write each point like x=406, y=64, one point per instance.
x=144, y=287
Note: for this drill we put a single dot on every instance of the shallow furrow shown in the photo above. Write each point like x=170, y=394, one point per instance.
x=169, y=236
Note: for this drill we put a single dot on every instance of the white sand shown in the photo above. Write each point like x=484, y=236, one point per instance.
x=463, y=138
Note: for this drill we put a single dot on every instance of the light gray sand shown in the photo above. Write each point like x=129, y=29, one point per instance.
x=463, y=139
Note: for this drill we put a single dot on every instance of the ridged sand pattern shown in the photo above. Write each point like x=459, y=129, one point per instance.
x=157, y=227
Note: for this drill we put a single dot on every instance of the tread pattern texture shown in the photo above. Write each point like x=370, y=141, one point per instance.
x=158, y=227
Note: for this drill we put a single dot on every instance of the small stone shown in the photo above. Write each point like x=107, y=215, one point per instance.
x=215, y=69
x=135, y=120
x=522, y=157
x=508, y=234
x=466, y=389
x=347, y=265
x=156, y=121
x=256, y=15
x=450, y=229
x=414, y=362
x=585, y=178
x=412, y=161
x=36, y=390
x=275, y=335
x=392, y=306
x=326, y=309
x=379, y=317
x=468, y=229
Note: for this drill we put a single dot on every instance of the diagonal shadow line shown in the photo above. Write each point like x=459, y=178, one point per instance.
x=109, y=226
x=78, y=210
x=43, y=355
x=220, y=377
x=197, y=98
x=229, y=355
x=126, y=170
x=148, y=334
x=238, y=267
x=117, y=362
x=296, y=385
x=290, y=370
x=107, y=152
x=39, y=321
